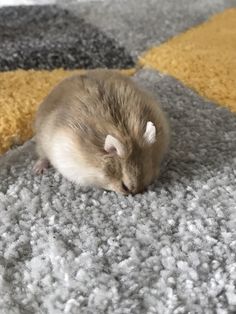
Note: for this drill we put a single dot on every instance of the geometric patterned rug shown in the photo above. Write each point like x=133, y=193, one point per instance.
x=67, y=249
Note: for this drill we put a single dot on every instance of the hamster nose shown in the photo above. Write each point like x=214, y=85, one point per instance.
x=126, y=190
x=132, y=189
x=138, y=190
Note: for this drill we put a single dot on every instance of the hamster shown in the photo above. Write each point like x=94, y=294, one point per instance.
x=100, y=129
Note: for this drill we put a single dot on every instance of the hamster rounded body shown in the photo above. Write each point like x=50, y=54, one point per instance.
x=100, y=129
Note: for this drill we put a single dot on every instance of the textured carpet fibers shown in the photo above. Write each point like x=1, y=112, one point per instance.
x=137, y=24
x=44, y=37
x=47, y=37
x=21, y=93
x=66, y=249
x=71, y=250
x=203, y=58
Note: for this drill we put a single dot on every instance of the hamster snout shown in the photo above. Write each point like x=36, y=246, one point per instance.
x=100, y=129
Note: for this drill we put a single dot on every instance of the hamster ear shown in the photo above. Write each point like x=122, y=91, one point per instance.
x=150, y=133
x=113, y=146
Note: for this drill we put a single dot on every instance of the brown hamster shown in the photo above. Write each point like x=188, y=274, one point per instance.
x=100, y=129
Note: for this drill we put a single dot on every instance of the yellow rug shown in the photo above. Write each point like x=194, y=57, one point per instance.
x=21, y=93
x=204, y=58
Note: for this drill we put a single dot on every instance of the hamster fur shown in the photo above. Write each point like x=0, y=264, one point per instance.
x=100, y=129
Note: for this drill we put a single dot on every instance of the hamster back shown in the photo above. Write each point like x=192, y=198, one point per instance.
x=101, y=129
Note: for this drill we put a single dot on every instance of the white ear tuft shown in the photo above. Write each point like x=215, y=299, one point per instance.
x=150, y=133
x=113, y=146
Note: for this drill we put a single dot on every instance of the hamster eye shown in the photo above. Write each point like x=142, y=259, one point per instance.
x=125, y=188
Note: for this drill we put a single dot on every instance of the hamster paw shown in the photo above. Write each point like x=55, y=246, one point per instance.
x=40, y=166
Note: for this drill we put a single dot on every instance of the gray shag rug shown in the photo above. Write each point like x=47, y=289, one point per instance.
x=171, y=250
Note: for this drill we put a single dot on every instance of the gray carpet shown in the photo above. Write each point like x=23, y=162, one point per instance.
x=139, y=24
x=170, y=250
x=65, y=249
x=48, y=37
